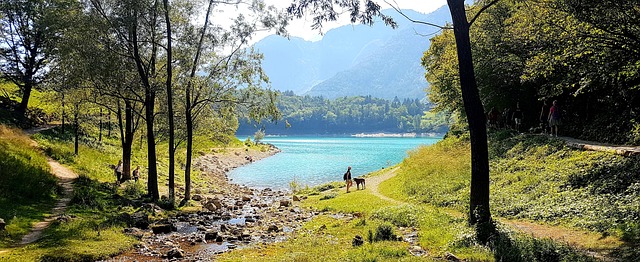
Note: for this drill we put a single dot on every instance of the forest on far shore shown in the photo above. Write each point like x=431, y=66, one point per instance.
x=305, y=115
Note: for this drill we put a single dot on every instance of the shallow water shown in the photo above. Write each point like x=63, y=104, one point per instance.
x=317, y=160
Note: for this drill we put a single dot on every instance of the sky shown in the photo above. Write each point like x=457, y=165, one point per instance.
x=302, y=28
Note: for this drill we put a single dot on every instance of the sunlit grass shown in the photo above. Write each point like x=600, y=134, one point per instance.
x=27, y=189
x=327, y=239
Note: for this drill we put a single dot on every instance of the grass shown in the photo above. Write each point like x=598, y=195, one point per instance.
x=27, y=190
x=326, y=239
x=533, y=178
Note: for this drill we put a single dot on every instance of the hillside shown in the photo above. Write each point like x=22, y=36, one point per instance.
x=354, y=59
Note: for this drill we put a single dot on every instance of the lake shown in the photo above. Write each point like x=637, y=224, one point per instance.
x=316, y=160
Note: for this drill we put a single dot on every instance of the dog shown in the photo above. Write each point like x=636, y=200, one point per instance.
x=359, y=181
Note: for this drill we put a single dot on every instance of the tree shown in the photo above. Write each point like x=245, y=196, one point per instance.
x=226, y=71
x=134, y=27
x=29, y=31
x=323, y=10
x=169, y=88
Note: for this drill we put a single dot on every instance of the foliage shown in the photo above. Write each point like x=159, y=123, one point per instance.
x=317, y=115
x=583, y=54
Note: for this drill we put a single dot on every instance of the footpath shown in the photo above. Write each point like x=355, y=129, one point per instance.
x=594, y=146
x=66, y=177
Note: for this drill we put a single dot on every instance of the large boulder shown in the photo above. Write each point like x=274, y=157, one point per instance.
x=163, y=228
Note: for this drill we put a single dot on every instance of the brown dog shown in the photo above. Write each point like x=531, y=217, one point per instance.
x=359, y=181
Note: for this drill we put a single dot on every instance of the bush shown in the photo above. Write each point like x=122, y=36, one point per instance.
x=384, y=232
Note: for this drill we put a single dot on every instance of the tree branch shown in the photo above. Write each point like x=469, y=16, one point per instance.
x=482, y=10
x=413, y=20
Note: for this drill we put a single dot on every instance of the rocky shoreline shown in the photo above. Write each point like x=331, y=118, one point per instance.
x=231, y=216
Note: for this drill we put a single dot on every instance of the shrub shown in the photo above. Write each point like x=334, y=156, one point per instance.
x=384, y=232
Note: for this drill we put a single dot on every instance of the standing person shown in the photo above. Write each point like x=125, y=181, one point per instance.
x=136, y=174
x=118, y=171
x=347, y=178
x=554, y=118
x=544, y=112
x=517, y=117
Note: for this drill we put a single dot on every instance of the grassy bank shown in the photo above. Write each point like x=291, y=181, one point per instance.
x=533, y=178
x=94, y=222
x=27, y=190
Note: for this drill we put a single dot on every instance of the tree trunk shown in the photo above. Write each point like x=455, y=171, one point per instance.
x=170, y=104
x=26, y=94
x=100, y=126
x=128, y=141
x=63, y=115
x=109, y=124
x=77, y=129
x=479, y=200
x=187, y=166
x=126, y=138
x=188, y=115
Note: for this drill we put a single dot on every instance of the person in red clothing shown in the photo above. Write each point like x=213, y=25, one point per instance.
x=554, y=118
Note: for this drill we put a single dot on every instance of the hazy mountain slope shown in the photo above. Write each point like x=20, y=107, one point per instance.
x=353, y=59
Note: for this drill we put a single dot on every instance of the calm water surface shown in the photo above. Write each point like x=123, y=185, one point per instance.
x=316, y=160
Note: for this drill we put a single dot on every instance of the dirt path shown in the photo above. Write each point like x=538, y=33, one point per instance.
x=595, y=146
x=66, y=177
x=373, y=183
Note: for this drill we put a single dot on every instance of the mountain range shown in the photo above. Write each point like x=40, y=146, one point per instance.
x=354, y=60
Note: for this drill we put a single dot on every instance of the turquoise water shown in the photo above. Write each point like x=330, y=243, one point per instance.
x=317, y=160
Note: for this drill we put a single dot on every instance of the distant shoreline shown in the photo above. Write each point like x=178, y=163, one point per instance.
x=374, y=135
x=397, y=135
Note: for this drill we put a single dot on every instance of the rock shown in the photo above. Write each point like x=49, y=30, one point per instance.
x=210, y=206
x=175, y=253
x=135, y=232
x=140, y=220
x=451, y=257
x=246, y=198
x=219, y=238
x=197, y=197
x=211, y=235
x=2, y=224
x=285, y=203
x=273, y=228
x=357, y=241
x=163, y=228
x=296, y=198
x=216, y=202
